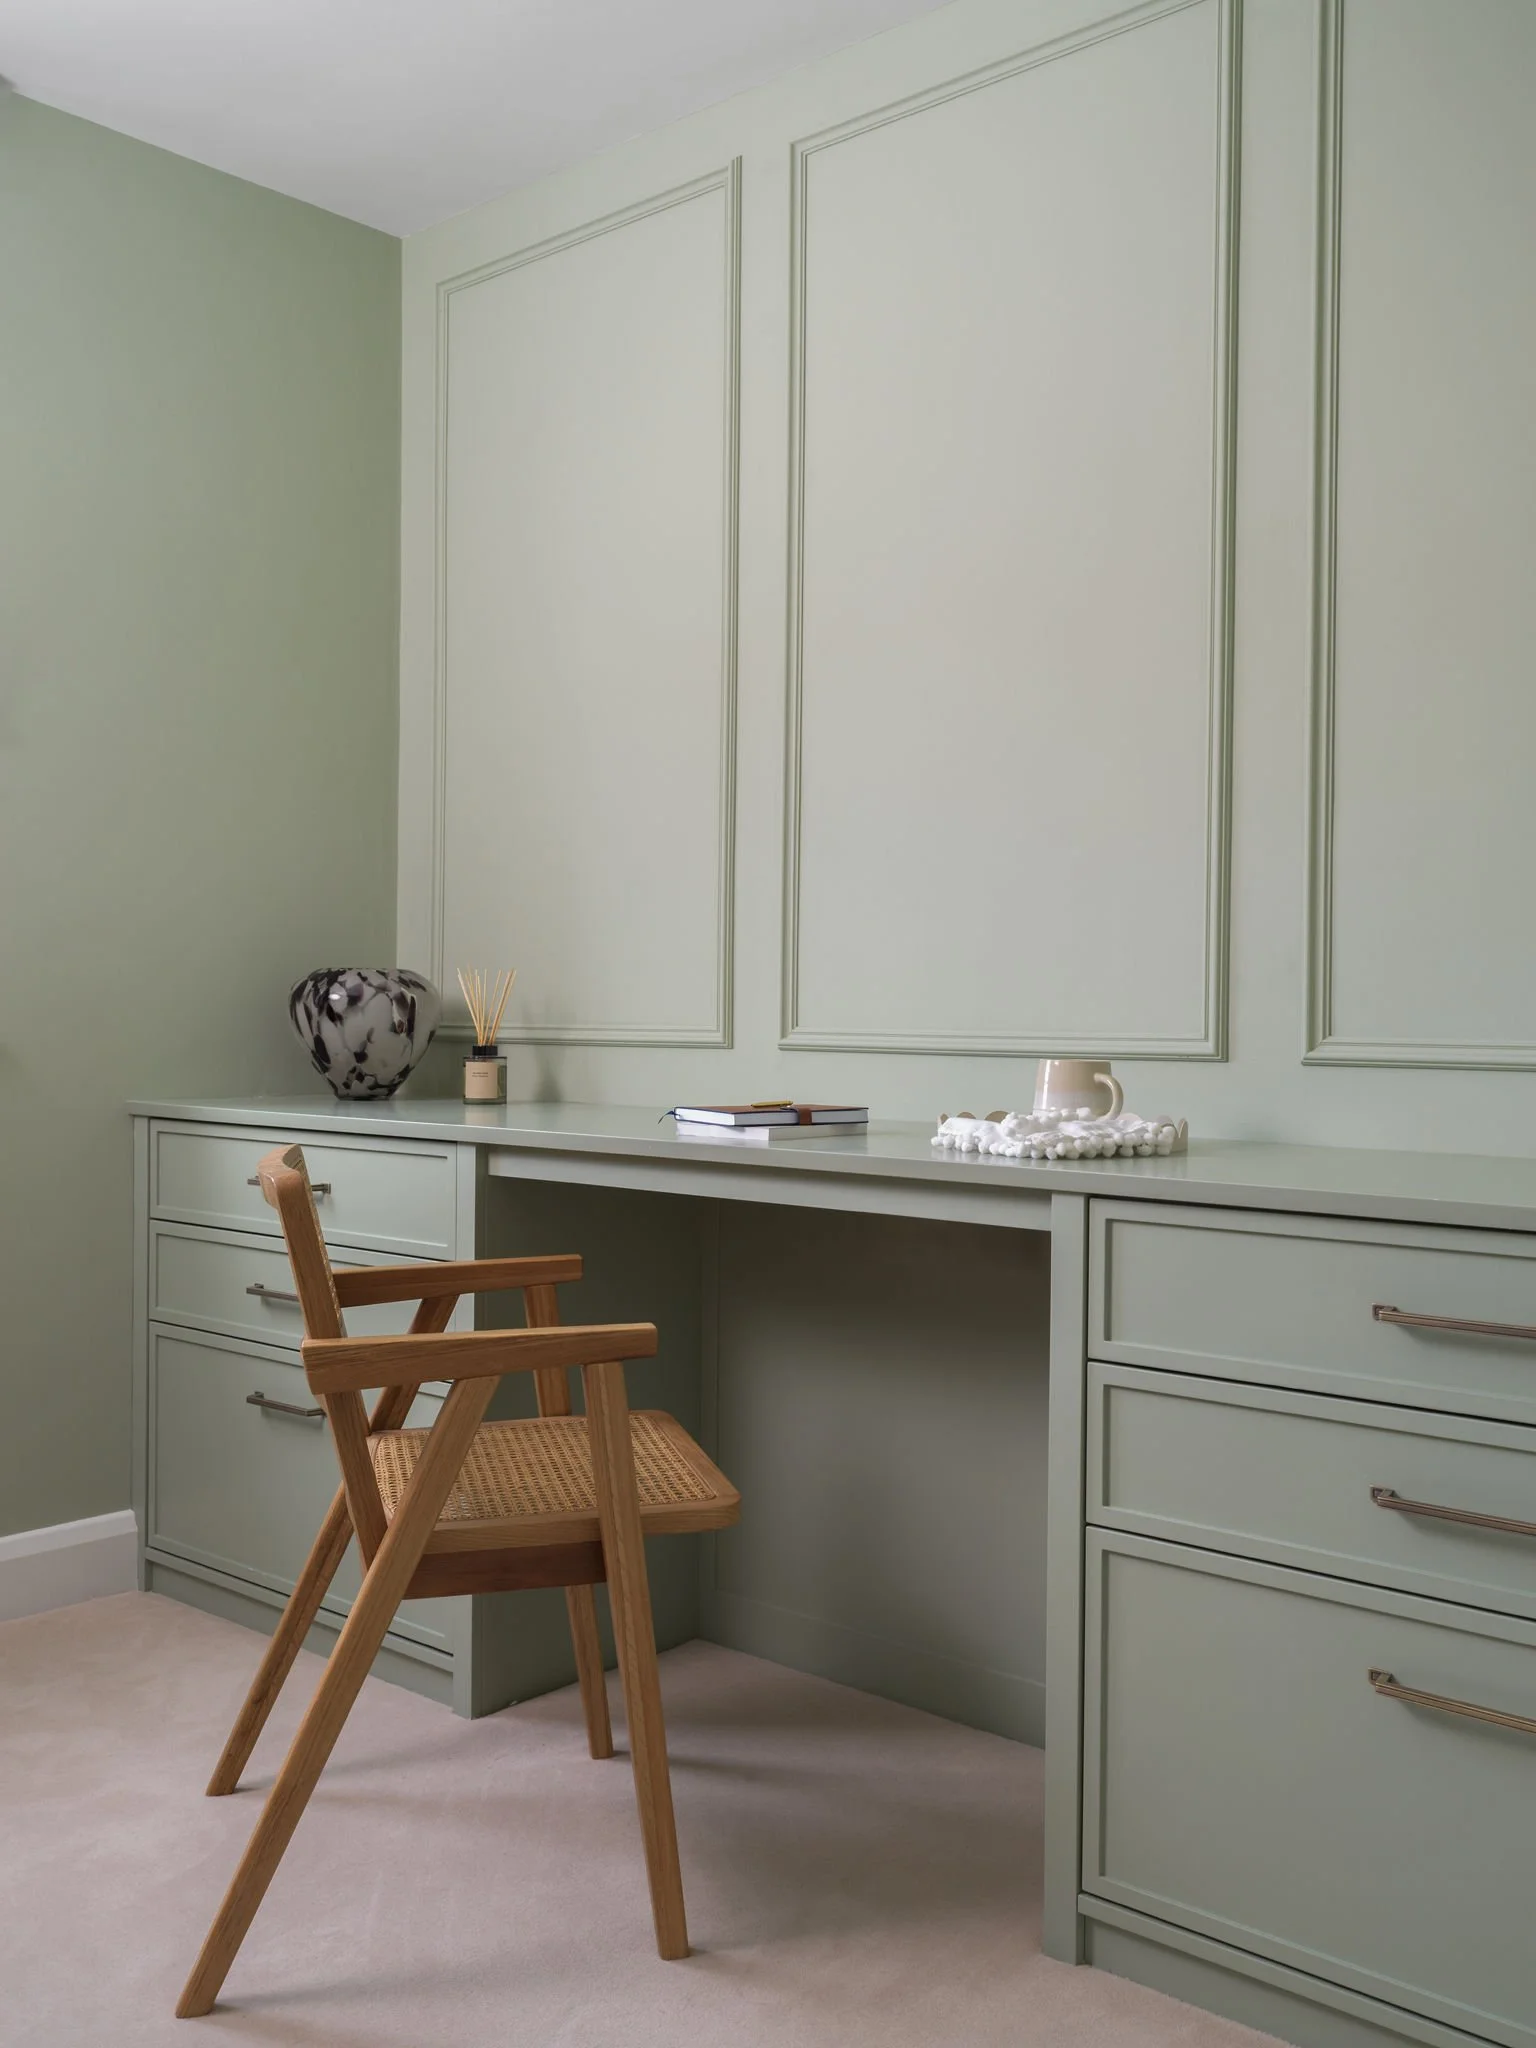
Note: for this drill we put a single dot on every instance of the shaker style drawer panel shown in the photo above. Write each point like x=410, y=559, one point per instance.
x=1292, y=1301
x=399, y=1198
x=1294, y=1478
x=241, y=1285
x=1246, y=1778
x=243, y=1488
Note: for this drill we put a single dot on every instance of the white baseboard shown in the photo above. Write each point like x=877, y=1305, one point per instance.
x=42, y=1568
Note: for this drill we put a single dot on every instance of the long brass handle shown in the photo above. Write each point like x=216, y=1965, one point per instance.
x=1385, y=1497
x=1383, y=1312
x=316, y=1187
x=264, y=1293
x=1389, y=1688
x=283, y=1407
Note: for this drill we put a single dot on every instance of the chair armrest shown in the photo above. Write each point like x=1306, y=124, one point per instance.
x=358, y=1285
x=337, y=1365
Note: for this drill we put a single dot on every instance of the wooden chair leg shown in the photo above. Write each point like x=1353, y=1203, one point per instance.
x=287, y=1640
x=348, y=1665
x=629, y=1595
x=542, y=1306
x=582, y=1609
x=320, y=1567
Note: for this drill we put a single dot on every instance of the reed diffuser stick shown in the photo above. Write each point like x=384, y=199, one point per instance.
x=486, y=1001
x=501, y=1004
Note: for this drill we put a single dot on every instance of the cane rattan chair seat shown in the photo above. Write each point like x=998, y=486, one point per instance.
x=531, y=1482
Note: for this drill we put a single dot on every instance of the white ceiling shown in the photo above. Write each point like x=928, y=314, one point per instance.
x=403, y=112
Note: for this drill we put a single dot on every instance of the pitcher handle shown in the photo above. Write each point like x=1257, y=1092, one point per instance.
x=1117, y=1094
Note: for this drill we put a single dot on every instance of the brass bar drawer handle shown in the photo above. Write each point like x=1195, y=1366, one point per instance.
x=316, y=1187
x=1389, y=1689
x=259, y=1400
x=1383, y=1312
x=1385, y=1497
x=264, y=1293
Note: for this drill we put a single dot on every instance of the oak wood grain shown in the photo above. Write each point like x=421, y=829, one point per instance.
x=335, y=1363
x=629, y=1598
x=541, y=1305
x=358, y=1285
x=356, y=1647
x=313, y=1583
x=576, y=1566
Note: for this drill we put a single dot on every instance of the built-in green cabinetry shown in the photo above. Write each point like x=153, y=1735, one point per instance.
x=1309, y=1675
x=1247, y=1780
x=1286, y=1479
x=234, y=1466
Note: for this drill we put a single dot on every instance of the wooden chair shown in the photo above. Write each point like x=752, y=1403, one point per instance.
x=469, y=1506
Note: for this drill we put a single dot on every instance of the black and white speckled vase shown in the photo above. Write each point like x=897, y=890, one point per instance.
x=365, y=1027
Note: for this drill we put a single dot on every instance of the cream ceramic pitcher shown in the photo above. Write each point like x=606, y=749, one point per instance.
x=1062, y=1086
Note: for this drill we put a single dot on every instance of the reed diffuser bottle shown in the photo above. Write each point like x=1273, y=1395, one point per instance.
x=485, y=1071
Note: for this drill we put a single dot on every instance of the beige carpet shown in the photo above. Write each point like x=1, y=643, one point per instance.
x=857, y=1873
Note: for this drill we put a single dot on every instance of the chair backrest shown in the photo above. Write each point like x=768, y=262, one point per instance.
x=285, y=1184
x=284, y=1181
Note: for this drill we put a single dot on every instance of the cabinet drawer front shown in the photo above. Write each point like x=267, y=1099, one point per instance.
x=1289, y=1301
x=1246, y=1780
x=399, y=1198
x=243, y=1489
x=203, y=1278
x=1289, y=1477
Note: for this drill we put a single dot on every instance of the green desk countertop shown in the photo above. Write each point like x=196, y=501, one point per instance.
x=1409, y=1187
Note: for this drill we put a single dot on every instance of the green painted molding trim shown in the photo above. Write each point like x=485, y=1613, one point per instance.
x=1211, y=1043
x=1325, y=1045
x=717, y=1030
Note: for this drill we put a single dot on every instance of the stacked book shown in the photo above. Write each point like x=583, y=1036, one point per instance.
x=761, y=1123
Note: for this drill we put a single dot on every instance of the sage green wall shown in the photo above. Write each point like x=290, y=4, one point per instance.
x=199, y=389
x=1104, y=437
